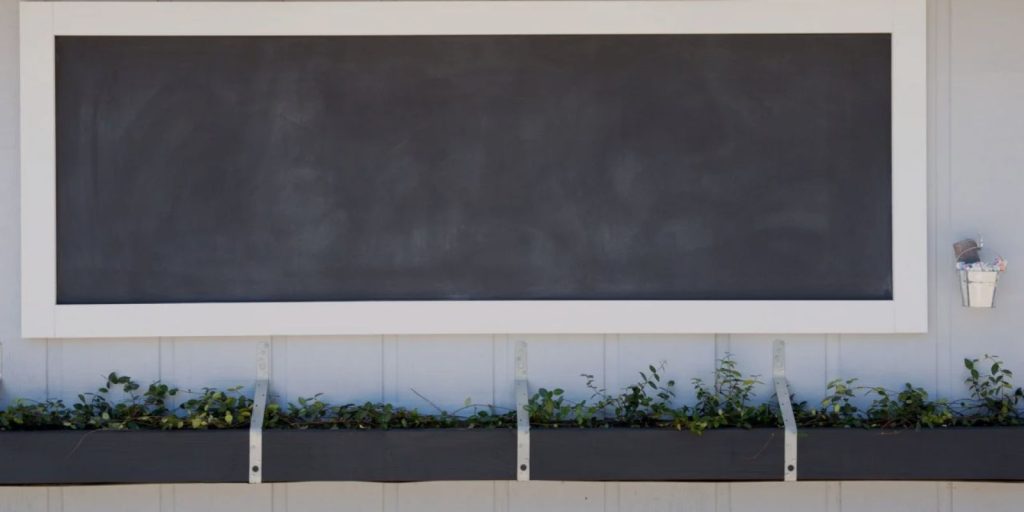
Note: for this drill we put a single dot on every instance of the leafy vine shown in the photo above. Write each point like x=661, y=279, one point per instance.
x=727, y=401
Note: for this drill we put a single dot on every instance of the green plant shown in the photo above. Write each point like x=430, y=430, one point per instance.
x=908, y=408
x=31, y=415
x=121, y=404
x=213, y=408
x=550, y=408
x=648, y=403
x=836, y=410
x=725, y=403
x=146, y=410
x=312, y=413
x=994, y=400
x=644, y=403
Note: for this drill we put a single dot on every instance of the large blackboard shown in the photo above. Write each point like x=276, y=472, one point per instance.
x=207, y=169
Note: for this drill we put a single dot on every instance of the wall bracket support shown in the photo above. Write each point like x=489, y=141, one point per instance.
x=785, y=408
x=522, y=415
x=259, y=407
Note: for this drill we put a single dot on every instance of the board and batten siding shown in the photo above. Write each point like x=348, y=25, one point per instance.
x=975, y=179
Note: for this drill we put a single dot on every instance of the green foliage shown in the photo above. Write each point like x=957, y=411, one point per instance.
x=837, y=408
x=148, y=409
x=908, y=408
x=216, y=409
x=550, y=408
x=30, y=415
x=98, y=411
x=645, y=403
x=313, y=413
x=122, y=404
x=726, y=403
x=648, y=403
x=994, y=400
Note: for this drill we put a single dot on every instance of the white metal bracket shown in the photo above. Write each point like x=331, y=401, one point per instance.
x=786, y=408
x=522, y=415
x=259, y=407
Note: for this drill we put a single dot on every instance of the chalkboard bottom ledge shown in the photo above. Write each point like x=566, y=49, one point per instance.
x=107, y=457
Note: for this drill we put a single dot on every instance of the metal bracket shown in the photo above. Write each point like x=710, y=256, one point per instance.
x=786, y=408
x=259, y=407
x=522, y=415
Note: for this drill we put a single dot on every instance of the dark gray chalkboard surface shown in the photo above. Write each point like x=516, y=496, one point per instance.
x=208, y=169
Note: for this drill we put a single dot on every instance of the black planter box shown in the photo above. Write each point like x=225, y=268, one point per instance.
x=98, y=457
x=389, y=455
x=979, y=453
x=656, y=454
x=75, y=457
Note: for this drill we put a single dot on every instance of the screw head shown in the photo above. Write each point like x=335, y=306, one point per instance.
x=255, y=469
x=522, y=467
x=790, y=467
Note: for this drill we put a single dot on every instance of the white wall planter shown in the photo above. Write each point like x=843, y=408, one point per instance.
x=978, y=288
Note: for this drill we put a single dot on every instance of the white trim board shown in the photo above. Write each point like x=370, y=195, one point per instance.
x=42, y=21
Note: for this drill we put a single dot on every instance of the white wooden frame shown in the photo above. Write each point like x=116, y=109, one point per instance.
x=42, y=21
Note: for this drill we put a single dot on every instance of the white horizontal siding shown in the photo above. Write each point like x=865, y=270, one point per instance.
x=521, y=497
x=976, y=178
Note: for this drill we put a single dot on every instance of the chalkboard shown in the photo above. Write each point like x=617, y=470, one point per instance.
x=491, y=167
